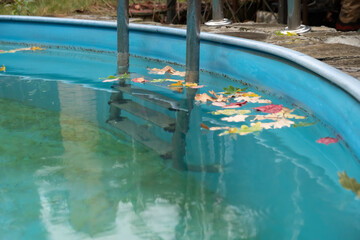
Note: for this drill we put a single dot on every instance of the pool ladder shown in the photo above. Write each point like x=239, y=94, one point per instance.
x=131, y=100
x=192, y=39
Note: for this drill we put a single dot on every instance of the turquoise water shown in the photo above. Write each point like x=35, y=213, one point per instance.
x=68, y=171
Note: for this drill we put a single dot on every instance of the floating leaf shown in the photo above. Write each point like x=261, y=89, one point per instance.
x=191, y=85
x=270, y=108
x=219, y=97
x=304, y=124
x=232, y=90
x=280, y=123
x=327, y=140
x=236, y=118
x=250, y=94
x=204, y=126
x=219, y=104
x=196, y=87
x=218, y=128
x=235, y=105
x=22, y=49
x=230, y=112
x=287, y=113
x=177, y=84
x=112, y=78
x=243, y=130
x=139, y=80
x=166, y=69
x=349, y=183
x=3, y=68
x=284, y=113
x=252, y=99
x=204, y=98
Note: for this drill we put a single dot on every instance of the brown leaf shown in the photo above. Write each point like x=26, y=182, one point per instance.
x=204, y=126
x=349, y=183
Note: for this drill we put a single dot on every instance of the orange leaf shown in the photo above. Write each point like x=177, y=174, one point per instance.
x=204, y=126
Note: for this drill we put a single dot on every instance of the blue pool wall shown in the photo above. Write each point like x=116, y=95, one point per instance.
x=333, y=95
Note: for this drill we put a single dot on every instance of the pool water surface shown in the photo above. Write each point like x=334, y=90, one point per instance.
x=81, y=158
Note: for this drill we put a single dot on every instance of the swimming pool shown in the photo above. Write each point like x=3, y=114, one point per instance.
x=68, y=169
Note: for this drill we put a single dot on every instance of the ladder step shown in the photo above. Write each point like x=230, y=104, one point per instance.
x=162, y=120
x=142, y=135
x=153, y=97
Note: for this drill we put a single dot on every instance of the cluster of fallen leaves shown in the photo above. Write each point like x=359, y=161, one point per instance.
x=174, y=85
x=233, y=98
x=271, y=116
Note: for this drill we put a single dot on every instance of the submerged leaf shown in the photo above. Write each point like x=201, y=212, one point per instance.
x=304, y=124
x=270, y=108
x=177, y=89
x=349, y=183
x=327, y=140
x=3, y=68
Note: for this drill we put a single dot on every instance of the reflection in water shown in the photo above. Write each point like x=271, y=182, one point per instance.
x=70, y=175
x=91, y=184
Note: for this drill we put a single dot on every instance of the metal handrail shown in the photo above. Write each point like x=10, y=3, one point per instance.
x=192, y=39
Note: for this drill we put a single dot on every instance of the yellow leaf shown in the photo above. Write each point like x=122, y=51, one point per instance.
x=190, y=84
x=250, y=94
x=177, y=84
x=230, y=112
x=349, y=183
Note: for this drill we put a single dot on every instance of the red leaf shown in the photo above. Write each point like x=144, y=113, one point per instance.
x=270, y=108
x=327, y=140
x=235, y=105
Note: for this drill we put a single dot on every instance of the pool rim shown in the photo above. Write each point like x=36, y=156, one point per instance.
x=342, y=80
